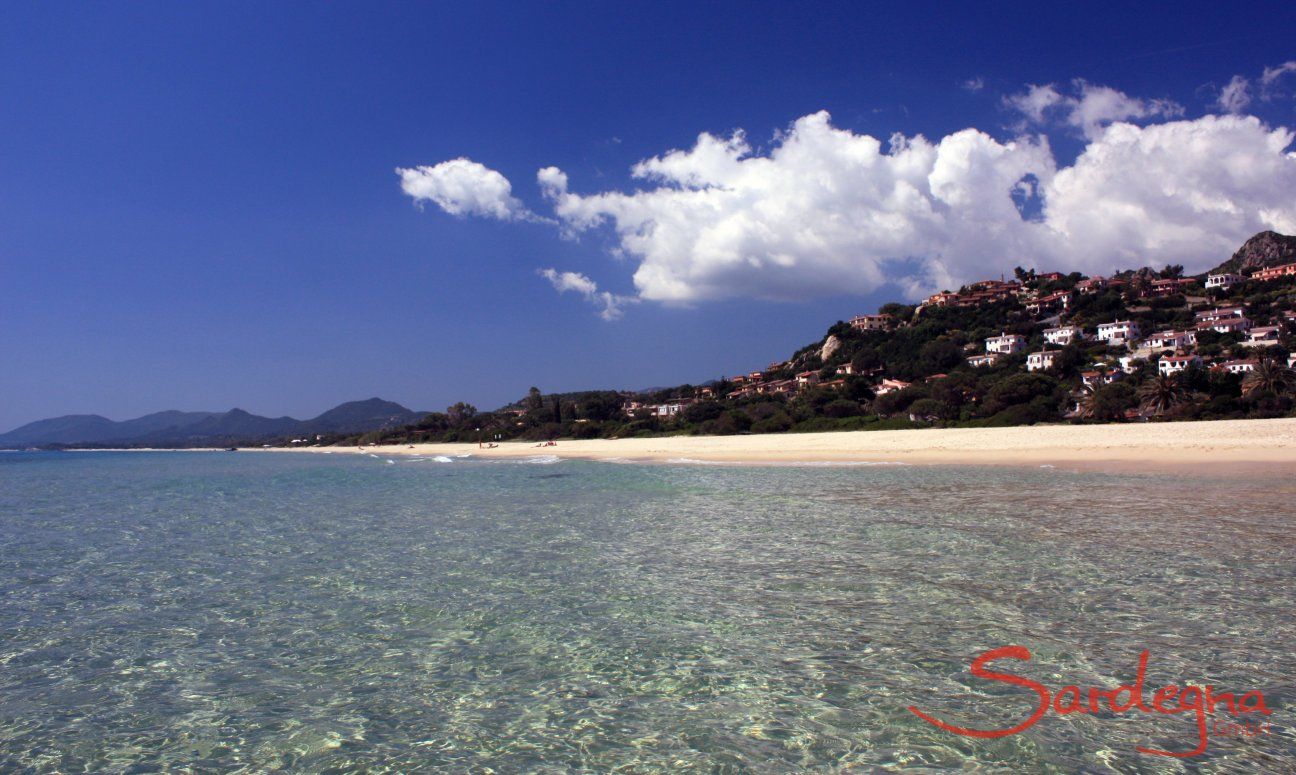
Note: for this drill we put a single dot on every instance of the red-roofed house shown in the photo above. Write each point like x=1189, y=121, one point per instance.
x=1275, y=272
x=890, y=386
x=872, y=322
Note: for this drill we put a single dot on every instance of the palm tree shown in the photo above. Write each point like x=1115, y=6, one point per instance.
x=1269, y=376
x=1087, y=404
x=1161, y=394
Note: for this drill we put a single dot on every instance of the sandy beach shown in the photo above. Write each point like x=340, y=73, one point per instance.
x=1225, y=444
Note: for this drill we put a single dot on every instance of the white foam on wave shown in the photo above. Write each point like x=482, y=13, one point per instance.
x=541, y=460
x=442, y=459
x=464, y=455
x=390, y=462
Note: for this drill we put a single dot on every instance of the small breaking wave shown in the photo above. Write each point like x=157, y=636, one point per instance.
x=442, y=459
x=541, y=460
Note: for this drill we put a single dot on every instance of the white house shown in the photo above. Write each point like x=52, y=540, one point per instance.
x=1171, y=340
x=1220, y=313
x=666, y=410
x=977, y=361
x=1121, y=330
x=1225, y=325
x=1097, y=378
x=1238, y=367
x=1006, y=344
x=1262, y=336
x=1129, y=363
x=1063, y=335
x=1041, y=360
x=890, y=386
x=1222, y=281
x=1173, y=364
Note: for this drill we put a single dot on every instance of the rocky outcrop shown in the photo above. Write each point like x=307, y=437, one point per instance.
x=831, y=345
x=1266, y=249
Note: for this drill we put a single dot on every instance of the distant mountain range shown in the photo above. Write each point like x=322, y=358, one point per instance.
x=173, y=428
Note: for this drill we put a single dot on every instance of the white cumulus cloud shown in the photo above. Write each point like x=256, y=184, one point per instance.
x=826, y=211
x=610, y=305
x=464, y=187
x=1088, y=108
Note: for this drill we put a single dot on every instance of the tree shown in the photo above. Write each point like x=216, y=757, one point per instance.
x=1107, y=402
x=1018, y=389
x=461, y=413
x=534, y=400
x=1162, y=393
x=1269, y=376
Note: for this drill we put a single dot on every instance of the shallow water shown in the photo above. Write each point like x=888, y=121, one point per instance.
x=253, y=612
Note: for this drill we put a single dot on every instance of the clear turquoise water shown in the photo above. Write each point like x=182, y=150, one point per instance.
x=253, y=612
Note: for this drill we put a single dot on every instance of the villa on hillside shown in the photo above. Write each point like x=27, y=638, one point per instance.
x=942, y=299
x=977, y=361
x=1005, y=344
x=890, y=386
x=1092, y=284
x=1223, y=281
x=1171, y=340
x=1063, y=335
x=1094, y=379
x=1238, y=367
x=1220, y=313
x=1050, y=303
x=1262, y=336
x=1171, y=285
x=1275, y=272
x=1121, y=330
x=1224, y=325
x=1129, y=363
x=1041, y=360
x=878, y=322
x=1173, y=364
x=807, y=379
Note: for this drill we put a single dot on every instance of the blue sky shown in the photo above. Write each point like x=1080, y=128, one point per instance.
x=199, y=206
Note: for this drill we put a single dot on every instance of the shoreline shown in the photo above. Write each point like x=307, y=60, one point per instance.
x=1217, y=445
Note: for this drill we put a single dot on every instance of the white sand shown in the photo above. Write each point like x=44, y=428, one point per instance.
x=1223, y=444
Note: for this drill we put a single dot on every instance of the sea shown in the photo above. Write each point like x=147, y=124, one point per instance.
x=257, y=612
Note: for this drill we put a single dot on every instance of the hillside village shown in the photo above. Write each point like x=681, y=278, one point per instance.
x=1139, y=345
x=1131, y=345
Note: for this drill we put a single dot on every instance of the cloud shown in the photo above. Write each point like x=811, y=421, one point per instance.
x=1235, y=96
x=1088, y=109
x=1238, y=93
x=974, y=84
x=463, y=187
x=825, y=211
x=610, y=305
x=1272, y=74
